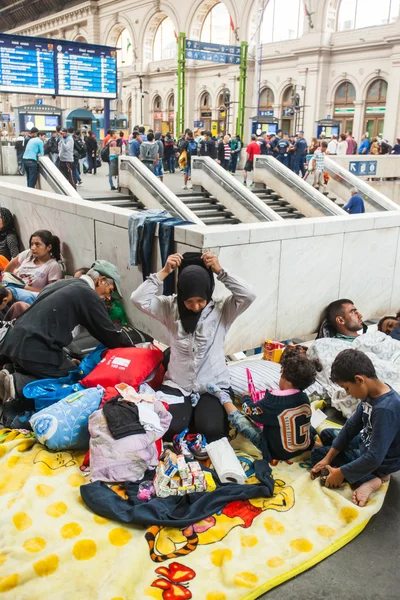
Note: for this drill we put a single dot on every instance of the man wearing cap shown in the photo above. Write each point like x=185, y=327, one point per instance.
x=33, y=150
x=300, y=154
x=37, y=341
x=66, y=156
x=283, y=147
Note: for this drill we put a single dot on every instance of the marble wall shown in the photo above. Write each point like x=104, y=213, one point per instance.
x=296, y=268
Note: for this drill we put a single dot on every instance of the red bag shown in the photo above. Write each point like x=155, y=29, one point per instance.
x=132, y=366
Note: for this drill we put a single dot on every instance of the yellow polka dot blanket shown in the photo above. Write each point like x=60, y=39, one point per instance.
x=52, y=546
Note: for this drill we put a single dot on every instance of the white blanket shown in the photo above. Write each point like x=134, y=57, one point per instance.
x=381, y=349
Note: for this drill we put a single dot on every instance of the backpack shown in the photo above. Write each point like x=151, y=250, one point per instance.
x=150, y=151
x=192, y=147
x=105, y=154
x=79, y=147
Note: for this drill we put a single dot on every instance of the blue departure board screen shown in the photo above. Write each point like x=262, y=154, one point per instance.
x=86, y=71
x=26, y=65
x=57, y=67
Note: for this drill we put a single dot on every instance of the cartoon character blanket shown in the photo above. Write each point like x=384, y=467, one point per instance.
x=52, y=546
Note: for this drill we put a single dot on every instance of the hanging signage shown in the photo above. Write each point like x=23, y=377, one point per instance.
x=171, y=115
x=344, y=111
x=158, y=115
x=198, y=124
x=375, y=109
x=5, y=117
x=218, y=53
x=57, y=67
x=214, y=128
x=205, y=114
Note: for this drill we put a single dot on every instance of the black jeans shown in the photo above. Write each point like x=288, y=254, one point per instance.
x=31, y=169
x=208, y=417
x=67, y=169
x=92, y=164
x=45, y=371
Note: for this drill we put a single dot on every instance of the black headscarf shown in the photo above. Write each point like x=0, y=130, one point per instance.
x=8, y=222
x=194, y=281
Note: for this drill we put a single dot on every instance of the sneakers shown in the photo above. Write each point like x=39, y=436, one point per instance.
x=79, y=183
x=184, y=187
x=181, y=445
x=197, y=445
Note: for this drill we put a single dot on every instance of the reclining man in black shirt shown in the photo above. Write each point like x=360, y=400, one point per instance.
x=36, y=343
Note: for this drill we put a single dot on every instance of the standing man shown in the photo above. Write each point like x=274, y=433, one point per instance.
x=318, y=162
x=169, y=152
x=134, y=144
x=149, y=153
x=300, y=154
x=159, y=167
x=365, y=145
x=356, y=204
x=33, y=150
x=143, y=136
x=107, y=138
x=252, y=150
x=333, y=145
x=66, y=156
x=91, y=149
x=207, y=146
x=236, y=147
x=351, y=143
x=79, y=152
x=283, y=146
x=224, y=152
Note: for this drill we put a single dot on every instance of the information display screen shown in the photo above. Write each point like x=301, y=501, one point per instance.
x=26, y=65
x=86, y=71
x=57, y=67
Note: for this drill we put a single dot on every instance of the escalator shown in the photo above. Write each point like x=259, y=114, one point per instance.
x=207, y=208
x=282, y=207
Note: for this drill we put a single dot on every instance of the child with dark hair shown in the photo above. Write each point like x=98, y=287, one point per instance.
x=367, y=450
x=39, y=265
x=285, y=412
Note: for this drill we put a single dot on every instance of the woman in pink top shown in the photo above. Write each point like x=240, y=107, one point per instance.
x=38, y=266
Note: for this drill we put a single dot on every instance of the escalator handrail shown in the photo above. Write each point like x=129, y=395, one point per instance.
x=55, y=179
x=168, y=200
x=302, y=187
x=246, y=198
x=367, y=192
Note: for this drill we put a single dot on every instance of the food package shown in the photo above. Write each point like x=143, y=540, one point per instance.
x=191, y=489
x=273, y=351
x=181, y=491
x=210, y=482
x=182, y=467
x=161, y=477
x=170, y=463
x=175, y=482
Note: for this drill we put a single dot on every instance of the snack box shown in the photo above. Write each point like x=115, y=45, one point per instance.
x=170, y=464
x=160, y=477
x=182, y=467
x=210, y=482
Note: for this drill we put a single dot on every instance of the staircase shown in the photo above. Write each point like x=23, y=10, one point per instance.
x=333, y=198
x=207, y=208
x=282, y=207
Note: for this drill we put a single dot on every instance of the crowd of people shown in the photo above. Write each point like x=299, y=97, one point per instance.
x=47, y=310
x=67, y=148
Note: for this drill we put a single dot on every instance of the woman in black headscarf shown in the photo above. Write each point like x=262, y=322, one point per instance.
x=9, y=246
x=197, y=327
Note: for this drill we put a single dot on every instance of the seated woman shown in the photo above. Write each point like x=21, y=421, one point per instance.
x=197, y=327
x=9, y=246
x=390, y=326
x=39, y=265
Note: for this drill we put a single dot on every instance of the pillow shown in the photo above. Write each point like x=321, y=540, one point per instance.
x=64, y=425
x=266, y=376
x=132, y=366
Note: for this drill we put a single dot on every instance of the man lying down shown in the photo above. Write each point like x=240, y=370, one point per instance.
x=35, y=345
x=342, y=329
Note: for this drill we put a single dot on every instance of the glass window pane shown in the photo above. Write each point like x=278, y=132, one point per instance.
x=216, y=27
x=373, y=91
x=341, y=92
x=384, y=87
x=394, y=10
x=125, y=52
x=347, y=12
x=351, y=91
x=371, y=12
x=164, y=46
x=267, y=23
x=286, y=20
